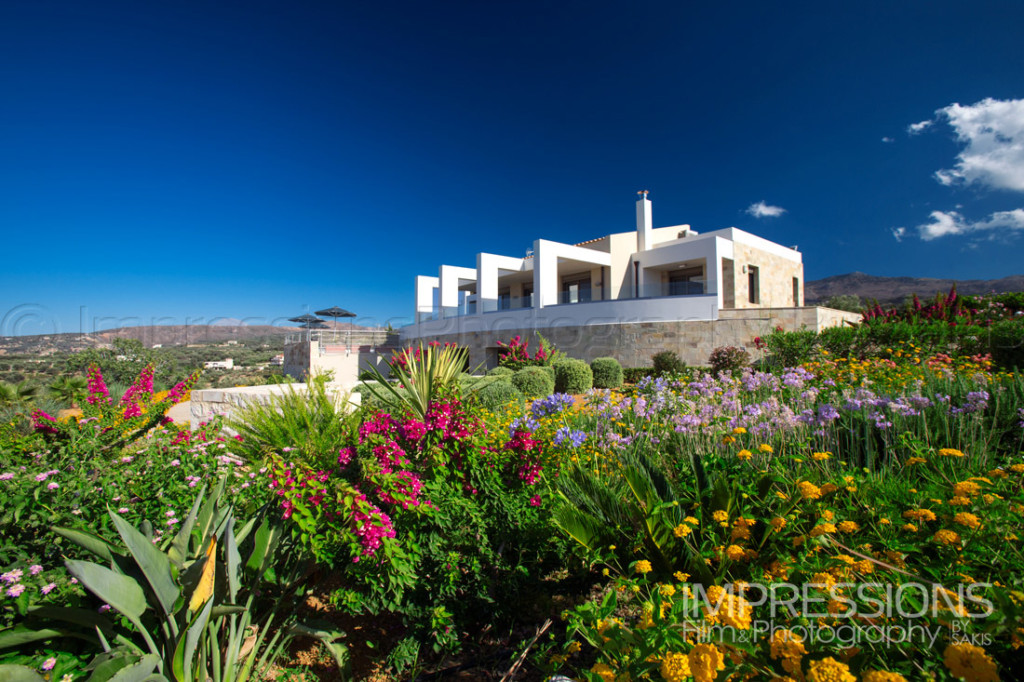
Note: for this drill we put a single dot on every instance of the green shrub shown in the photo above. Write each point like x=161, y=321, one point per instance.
x=842, y=342
x=1006, y=340
x=789, y=349
x=668, y=362
x=550, y=371
x=500, y=372
x=534, y=382
x=573, y=376
x=728, y=358
x=498, y=394
x=607, y=373
x=633, y=375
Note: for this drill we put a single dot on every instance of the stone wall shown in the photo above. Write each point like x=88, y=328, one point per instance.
x=775, y=277
x=634, y=344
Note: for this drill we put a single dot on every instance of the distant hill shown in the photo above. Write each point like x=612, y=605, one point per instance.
x=895, y=289
x=165, y=335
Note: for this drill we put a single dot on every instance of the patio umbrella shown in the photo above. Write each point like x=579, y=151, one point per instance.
x=335, y=312
x=306, y=321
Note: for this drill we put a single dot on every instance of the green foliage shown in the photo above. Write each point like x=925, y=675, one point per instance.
x=848, y=302
x=534, y=382
x=1006, y=343
x=667, y=363
x=316, y=422
x=728, y=359
x=789, y=349
x=500, y=371
x=124, y=361
x=633, y=375
x=499, y=394
x=607, y=373
x=69, y=390
x=17, y=395
x=573, y=376
x=177, y=620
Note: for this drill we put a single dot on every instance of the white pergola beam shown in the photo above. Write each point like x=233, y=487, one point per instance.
x=546, y=255
x=488, y=268
x=451, y=276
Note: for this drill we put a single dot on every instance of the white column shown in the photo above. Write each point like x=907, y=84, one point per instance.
x=451, y=276
x=425, y=287
x=488, y=266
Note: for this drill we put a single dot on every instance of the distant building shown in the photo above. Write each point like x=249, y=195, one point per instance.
x=277, y=360
x=228, y=363
x=628, y=295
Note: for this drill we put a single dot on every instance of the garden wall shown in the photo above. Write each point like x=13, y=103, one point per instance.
x=634, y=344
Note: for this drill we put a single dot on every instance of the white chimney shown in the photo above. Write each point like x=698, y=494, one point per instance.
x=643, y=222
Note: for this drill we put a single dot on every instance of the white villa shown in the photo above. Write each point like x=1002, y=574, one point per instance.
x=624, y=295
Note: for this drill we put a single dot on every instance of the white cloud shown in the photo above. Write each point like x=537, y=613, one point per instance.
x=763, y=210
x=945, y=223
x=993, y=134
x=887, y=140
x=898, y=233
x=917, y=128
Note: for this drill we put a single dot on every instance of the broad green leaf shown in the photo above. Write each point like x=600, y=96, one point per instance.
x=19, y=673
x=85, y=617
x=154, y=563
x=21, y=634
x=108, y=664
x=87, y=541
x=140, y=671
x=328, y=637
x=178, y=550
x=120, y=591
x=233, y=560
x=184, y=652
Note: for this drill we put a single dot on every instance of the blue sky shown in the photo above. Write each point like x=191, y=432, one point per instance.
x=171, y=161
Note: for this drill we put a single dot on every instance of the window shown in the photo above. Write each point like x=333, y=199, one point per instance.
x=686, y=282
x=753, y=284
x=576, y=290
x=796, y=292
x=504, y=299
x=527, y=301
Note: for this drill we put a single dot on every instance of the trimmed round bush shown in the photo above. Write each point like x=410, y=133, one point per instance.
x=667, y=362
x=728, y=358
x=498, y=394
x=607, y=373
x=573, y=376
x=500, y=372
x=534, y=382
x=549, y=370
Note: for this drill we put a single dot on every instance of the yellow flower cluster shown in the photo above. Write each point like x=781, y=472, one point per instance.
x=969, y=662
x=788, y=647
x=808, y=490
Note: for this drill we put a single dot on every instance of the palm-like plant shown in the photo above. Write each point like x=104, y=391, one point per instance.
x=314, y=422
x=21, y=393
x=68, y=389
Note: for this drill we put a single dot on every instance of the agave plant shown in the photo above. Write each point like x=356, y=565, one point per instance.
x=214, y=603
x=424, y=375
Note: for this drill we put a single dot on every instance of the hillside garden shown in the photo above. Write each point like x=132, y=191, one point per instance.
x=841, y=506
